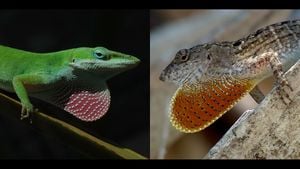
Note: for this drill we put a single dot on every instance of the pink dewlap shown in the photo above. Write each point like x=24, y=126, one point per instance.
x=87, y=105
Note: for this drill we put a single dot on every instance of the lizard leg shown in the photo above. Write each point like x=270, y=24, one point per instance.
x=257, y=95
x=276, y=67
x=19, y=83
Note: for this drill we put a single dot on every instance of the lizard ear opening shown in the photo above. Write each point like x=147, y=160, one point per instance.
x=208, y=56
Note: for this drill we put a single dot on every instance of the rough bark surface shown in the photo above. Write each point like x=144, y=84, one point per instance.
x=270, y=131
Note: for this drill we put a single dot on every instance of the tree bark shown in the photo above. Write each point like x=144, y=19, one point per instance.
x=270, y=131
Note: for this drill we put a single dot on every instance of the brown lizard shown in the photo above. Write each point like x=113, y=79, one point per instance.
x=213, y=77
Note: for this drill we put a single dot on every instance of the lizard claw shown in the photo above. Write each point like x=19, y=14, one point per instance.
x=282, y=82
x=283, y=94
x=26, y=110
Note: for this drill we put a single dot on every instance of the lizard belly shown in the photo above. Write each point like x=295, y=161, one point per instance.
x=6, y=85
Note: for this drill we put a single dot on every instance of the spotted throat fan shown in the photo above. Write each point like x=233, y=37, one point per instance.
x=196, y=106
x=86, y=100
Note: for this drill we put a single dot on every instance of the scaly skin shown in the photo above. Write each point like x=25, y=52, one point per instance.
x=63, y=78
x=213, y=77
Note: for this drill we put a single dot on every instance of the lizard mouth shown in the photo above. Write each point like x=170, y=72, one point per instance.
x=105, y=65
x=103, y=69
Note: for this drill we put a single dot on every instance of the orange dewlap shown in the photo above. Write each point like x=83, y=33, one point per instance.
x=195, y=107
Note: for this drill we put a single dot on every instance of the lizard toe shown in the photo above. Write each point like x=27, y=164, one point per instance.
x=26, y=110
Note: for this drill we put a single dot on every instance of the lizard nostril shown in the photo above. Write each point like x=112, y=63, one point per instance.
x=162, y=77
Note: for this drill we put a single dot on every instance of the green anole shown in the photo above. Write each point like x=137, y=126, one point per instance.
x=73, y=79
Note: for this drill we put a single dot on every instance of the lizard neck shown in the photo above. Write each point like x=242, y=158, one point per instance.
x=58, y=63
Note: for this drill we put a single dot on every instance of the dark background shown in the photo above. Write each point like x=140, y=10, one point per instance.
x=127, y=122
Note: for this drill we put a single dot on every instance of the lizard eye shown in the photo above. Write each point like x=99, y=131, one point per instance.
x=183, y=55
x=99, y=55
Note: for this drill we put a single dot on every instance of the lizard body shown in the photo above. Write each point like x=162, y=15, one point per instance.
x=72, y=79
x=213, y=77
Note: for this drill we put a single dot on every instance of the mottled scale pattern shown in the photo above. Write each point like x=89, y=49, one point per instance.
x=88, y=105
x=195, y=107
x=280, y=37
x=214, y=76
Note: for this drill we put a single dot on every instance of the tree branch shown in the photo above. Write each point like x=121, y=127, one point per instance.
x=271, y=131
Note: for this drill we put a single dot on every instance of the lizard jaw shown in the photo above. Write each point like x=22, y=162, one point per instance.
x=95, y=66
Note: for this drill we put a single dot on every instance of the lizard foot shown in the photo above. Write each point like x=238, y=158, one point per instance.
x=282, y=82
x=276, y=66
x=26, y=110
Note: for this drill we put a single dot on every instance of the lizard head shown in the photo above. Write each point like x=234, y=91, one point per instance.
x=185, y=63
x=191, y=64
x=102, y=61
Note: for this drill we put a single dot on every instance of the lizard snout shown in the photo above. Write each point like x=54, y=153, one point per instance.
x=162, y=77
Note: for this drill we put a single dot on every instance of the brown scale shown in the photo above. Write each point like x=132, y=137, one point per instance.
x=263, y=37
x=194, y=108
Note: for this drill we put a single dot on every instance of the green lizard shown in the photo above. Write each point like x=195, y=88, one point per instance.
x=73, y=79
